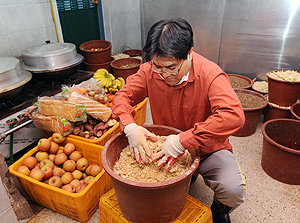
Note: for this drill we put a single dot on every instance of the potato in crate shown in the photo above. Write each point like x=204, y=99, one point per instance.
x=79, y=206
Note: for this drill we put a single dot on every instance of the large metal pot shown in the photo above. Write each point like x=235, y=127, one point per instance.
x=12, y=78
x=51, y=61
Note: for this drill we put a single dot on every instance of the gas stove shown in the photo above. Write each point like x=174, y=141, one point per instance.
x=23, y=102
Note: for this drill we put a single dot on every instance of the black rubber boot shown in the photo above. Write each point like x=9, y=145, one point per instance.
x=220, y=212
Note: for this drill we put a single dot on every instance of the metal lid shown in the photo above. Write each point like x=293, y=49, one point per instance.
x=8, y=63
x=49, y=49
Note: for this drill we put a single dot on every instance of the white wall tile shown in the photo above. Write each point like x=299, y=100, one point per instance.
x=39, y=36
x=13, y=3
x=47, y=14
x=51, y=34
x=21, y=40
x=4, y=47
x=36, y=16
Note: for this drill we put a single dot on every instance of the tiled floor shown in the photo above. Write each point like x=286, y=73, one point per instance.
x=267, y=199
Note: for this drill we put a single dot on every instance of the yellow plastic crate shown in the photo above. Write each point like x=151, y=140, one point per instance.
x=79, y=206
x=194, y=211
x=140, y=118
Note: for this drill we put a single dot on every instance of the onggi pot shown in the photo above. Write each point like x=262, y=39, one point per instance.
x=281, y=150
x=295, y=111
x=147, y=202
x=283, y=92
x=96, y=51
x=120, y=71
x=252, y=115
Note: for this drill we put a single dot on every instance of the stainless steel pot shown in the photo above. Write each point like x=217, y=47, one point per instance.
x=51, y=60
x=12, y=78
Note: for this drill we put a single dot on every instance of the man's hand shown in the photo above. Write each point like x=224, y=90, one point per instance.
x=171, y=149
x=137, y=137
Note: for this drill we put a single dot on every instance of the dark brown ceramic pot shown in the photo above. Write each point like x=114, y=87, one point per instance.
x=273, y=111
x=281, y=150
x=295, y=111
x=96, y=51
x=120, y=71
x=147, y=202
x=252, y=115
x=282, y=92
x=240, y=81
x=95, y=67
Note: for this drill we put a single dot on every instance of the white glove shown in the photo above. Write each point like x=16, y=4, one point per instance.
x=137, y=138
x=170, y=151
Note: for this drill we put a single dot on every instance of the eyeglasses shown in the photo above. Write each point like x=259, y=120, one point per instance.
x=172, y=72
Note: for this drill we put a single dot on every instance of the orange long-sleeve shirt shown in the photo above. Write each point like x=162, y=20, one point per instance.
x=205, y=107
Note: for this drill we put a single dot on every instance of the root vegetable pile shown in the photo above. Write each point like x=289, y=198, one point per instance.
x=93, y=128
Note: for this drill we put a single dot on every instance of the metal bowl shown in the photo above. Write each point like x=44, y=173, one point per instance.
x=12, y=78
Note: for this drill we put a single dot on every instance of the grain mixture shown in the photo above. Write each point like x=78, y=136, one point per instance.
x=250, y=101
x=238, y=82
x=261, y=86
x=288, y=75
x=128, y=168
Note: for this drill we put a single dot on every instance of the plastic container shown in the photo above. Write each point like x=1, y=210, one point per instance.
x=147, y=202
x=95, y=67
x=79, y=206
x=240, y=85
x=140, y=118
x=282, y=92
x=103, y=55
x=118, y=71
x=194, y=211
x=273, y=111
x=295, y=111
x=252, y=115
x=281, y=150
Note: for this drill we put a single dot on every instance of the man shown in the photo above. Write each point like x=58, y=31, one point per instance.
x=193, y=94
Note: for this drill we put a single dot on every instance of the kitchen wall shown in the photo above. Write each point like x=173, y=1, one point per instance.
x=26, y=23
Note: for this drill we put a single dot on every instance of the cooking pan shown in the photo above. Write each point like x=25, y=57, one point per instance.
x=55, y=74
x=12, y=78
x=51, y=61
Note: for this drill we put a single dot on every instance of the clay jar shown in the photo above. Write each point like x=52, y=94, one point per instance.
x=102, y=55
x=119, y=71
x=273, y=111
x=147, y=202
x=282, y=92
x=295, y=111
x=133, y=52
x=240, y=82
x=281, y=150
x=252, y=115
x=95, y=67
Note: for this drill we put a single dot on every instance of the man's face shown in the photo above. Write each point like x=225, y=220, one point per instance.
x=172, y=70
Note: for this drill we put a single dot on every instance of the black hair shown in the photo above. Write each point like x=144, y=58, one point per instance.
x=169, y=38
